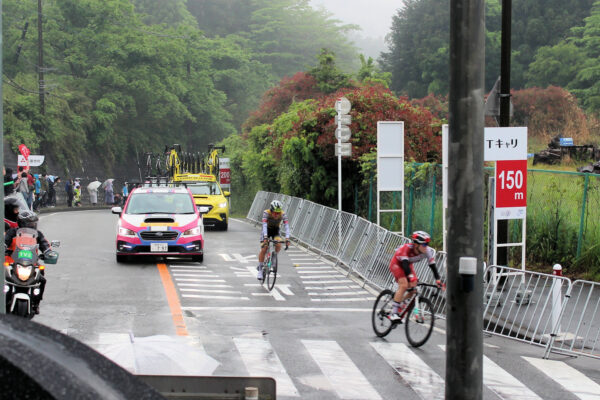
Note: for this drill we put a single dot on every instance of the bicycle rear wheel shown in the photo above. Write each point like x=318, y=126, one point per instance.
x=272, y=274
x=419, y=322
x=381, y=309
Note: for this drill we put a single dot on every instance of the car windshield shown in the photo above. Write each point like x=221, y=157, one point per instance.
x=160, y=203
x=205, y=188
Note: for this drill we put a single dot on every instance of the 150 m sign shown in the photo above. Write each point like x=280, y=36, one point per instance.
x=511, y=189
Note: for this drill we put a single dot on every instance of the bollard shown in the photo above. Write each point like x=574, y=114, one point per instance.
x=251, y=393
x=556, y=297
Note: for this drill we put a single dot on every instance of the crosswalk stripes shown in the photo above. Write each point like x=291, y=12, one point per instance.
x=421, y=378
x=261, y=360
x=568, y=377
x=345, y=377
x=502, y=383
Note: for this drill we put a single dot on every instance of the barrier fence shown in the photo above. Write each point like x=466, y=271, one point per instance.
x=540, y=309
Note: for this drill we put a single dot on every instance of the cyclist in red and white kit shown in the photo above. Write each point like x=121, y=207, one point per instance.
x=401, y=266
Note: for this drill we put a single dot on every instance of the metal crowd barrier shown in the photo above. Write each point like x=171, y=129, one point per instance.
x=541, y=309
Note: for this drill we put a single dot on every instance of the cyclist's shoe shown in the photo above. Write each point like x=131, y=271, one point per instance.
x=259, y=275
x=395, y=318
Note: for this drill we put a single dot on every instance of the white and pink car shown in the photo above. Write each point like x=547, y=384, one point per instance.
x=160, y=221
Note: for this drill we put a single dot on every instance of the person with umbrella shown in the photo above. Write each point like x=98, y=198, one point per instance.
x=92, y=189
x=109, y=194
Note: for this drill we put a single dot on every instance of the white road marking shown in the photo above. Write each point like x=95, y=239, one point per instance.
x=274, y=293
x=285, y=289
x=246, y=259
x=211, y=285
x=317, y=272
x=278, y=309
x=502, y=383
x=320, y=276
x=261, y=360
x=311, y=263
x=345, y=378
x=198, y=275
x=314, y=268
x=332, y=287
x=209, y=290
x=421, y=378
x=352, y=299
x=198, y=280
x=193, y=271
x=328, y=282
x=568, y=377
x=203, y=296
x=362, y=293
x=186, y=266
x=226, y=257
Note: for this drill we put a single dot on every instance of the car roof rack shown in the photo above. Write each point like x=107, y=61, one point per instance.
x=161, y=181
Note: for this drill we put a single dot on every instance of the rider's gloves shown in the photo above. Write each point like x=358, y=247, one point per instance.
x=266, y=242
x=440, y=284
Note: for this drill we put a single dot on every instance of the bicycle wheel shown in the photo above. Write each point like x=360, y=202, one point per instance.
x=266, y=268
x=272, y=273
x=381, y=309
x=419, y=322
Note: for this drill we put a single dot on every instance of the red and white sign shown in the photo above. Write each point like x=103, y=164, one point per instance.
x=511, y=189
x=32, y=161
x=224, y=171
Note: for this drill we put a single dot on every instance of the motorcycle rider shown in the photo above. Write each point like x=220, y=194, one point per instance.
x=28, y=219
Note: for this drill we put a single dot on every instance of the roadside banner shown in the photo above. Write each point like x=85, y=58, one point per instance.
x=24, y=151
x=224, y=172
x=32, y=160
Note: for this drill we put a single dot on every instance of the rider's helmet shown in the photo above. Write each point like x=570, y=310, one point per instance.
x=421, y=237
x=11, y=208
x=27, y=219
x=276, y=206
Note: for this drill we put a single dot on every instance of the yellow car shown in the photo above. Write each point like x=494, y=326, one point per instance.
x=210, y=199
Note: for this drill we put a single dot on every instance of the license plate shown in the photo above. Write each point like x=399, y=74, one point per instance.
x=162, y=247
x=203, y=209
x=158, y=228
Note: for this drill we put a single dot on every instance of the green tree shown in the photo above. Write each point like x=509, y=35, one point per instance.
x=328, y=76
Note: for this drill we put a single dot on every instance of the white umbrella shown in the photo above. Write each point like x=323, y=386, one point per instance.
x=161, y=355
x=106, y=182
x=93, y=186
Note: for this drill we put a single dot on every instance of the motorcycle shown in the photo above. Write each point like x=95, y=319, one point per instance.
x=24, y=273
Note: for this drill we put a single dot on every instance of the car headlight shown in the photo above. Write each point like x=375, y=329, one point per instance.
x=126, y=232
x=223, y=205
x=24, y=271
x=192, y=232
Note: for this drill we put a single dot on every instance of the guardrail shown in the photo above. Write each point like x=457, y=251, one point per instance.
x=540, y=309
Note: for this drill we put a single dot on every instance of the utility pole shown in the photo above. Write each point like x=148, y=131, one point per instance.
x=502, y=252
x=3, y=281
x=464, y=356
x=41, y=60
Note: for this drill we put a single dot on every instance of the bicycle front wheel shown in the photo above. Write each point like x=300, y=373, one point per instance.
x=419, y=322
x=272, y=274
x=381, y=310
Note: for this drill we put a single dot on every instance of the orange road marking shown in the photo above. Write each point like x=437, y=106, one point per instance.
x=173, y=300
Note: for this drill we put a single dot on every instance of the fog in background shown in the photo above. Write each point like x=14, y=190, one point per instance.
x=373, y=16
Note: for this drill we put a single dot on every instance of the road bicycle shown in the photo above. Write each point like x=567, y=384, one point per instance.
x=212, y=161
x=270, y=265
x=418, y=316
x=173, y=162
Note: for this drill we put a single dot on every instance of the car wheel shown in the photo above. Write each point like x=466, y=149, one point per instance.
x=122, y=259
x=199, y=258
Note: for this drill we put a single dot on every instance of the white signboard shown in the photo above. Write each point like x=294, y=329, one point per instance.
x=390, y=155
x=505, y=144
x=34, y=161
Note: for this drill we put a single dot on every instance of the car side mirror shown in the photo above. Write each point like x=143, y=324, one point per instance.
x=55, y=243
x=226, y=193
x=116, y=210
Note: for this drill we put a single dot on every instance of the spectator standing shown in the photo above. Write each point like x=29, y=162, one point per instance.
x=109, y=196
x=77, y=192
x=9, y=183
x=69, y=191
x=51, y=192
x=44, y=188
x=93, y=191
x=30, y=185
x=23, y=187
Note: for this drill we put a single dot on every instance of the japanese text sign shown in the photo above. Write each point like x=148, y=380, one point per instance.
x=511, y=189
x=505, y=144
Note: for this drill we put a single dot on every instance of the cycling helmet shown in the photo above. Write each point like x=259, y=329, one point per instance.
x=276, y=206
x=421, y=237
x=27, y=219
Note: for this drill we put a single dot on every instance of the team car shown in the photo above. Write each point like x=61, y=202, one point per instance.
x=160, y=221
x=209, y=198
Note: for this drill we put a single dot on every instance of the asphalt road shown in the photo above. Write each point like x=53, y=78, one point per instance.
x=312, y=333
